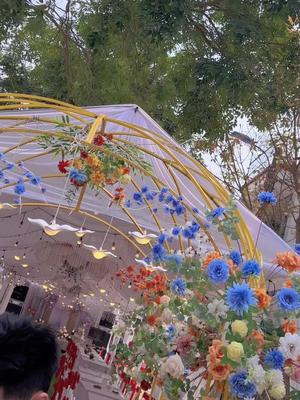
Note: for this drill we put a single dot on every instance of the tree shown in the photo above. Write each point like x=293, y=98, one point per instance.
x=196, y=66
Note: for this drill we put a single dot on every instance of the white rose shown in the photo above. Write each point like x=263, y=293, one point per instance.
x=173, y=366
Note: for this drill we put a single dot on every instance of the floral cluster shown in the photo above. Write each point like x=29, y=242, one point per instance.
x=211, y=329
x=25, y=176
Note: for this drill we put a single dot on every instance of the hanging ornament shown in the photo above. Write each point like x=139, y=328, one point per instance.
x=150, y=266
x=53, y=228
x=5, y=206
x=143, y=238
x=99, y=253
x=81, y=232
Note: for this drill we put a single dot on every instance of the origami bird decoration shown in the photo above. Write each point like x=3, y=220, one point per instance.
x=143, y=238
x=53, y=228
x=99, y=253
x=81, y=232
x=4, y=206
x=150, y=266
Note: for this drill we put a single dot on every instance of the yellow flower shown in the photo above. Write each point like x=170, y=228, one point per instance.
x=277, y=392
x=97, y=177
x=235, y=351
x=125, y=179
x=77, y=163
x=93, y=161
x=239, y=327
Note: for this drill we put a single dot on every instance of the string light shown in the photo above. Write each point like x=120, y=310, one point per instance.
x=17, y=258
x=25, y=265
x=137, y=255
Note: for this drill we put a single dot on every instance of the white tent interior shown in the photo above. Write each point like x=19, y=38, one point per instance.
x=69, y=267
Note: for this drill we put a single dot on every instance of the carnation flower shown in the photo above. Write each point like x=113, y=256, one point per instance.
x=288, y=299
x=263, y=298
x=289, y=326
x=290, y=346
x=250, y=267
x=256, y=373
x=240, y=386
x=288, y=260
x=218, y=309
x=274, y=359
x=240, y=297
x=218, y=271
x=236, y=257
x=178, y=286
x=267, y=198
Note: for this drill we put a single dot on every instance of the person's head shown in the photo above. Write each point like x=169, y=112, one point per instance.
x=28, y=358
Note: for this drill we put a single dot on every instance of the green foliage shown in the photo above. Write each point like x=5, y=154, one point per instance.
x=195, y=66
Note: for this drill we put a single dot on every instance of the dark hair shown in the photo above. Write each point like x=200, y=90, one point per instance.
x=28, y=357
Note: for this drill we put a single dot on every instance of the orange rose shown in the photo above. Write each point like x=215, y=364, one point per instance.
x=213, y=255
x=289, y=261
x=264, y=299
x=219, y=372
x=258, y=338
x=93, y=161
x=289, y=326
x=97, y=177
x=215, y=352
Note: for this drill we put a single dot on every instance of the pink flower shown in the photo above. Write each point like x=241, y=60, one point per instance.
x=296, y=373
x=185, y=344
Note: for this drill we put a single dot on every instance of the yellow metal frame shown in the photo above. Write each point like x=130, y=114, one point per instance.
x=19, y=125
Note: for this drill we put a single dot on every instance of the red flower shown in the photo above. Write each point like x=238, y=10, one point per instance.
x=62, y=166
x=99, y=140
x=83, y=154
x=110, y=137
x=151, y=320
x=145, y=385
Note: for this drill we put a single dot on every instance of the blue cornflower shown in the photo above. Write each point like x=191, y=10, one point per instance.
x=218, y=271
x=240, y=297
x=187, y=233
x=150, y=196
x=159, y=252
x=176, y=230
x=19, y=188
x=10, y=165
x=137, y=196
x=196, y=210
x=144, y=189
x=36, y=180
x=178, y=286
x=170, y=332
x=164, y=190
x=2, y=156
x=17, y=201
x=175, y=203
x=180, y=198
x=180, y=209
x=267, y=198
x=78, y=176
x=288, y=299
x=235, y=257
x=161, y=197
x=43, y=189
x=155, y=210
x=216, y=213
x=128, y=204
x=6, y=181
x=250, y=267
x=169, y=198
x=1, y=174
x=21, y=164
x=274, y=359
x=240, y=386
x=166, y=209
x=195, y=227
x=297, y=248
x=29, y=175
x=161, y=238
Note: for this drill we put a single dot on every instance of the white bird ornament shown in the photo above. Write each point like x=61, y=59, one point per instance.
x=99, y=253
x=143, y=238
x=53, y=228
x=150, y=266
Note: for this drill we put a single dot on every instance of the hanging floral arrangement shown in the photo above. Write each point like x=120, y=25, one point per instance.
x=106, y=162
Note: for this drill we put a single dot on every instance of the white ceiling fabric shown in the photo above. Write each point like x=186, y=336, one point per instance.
x=269, y=243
